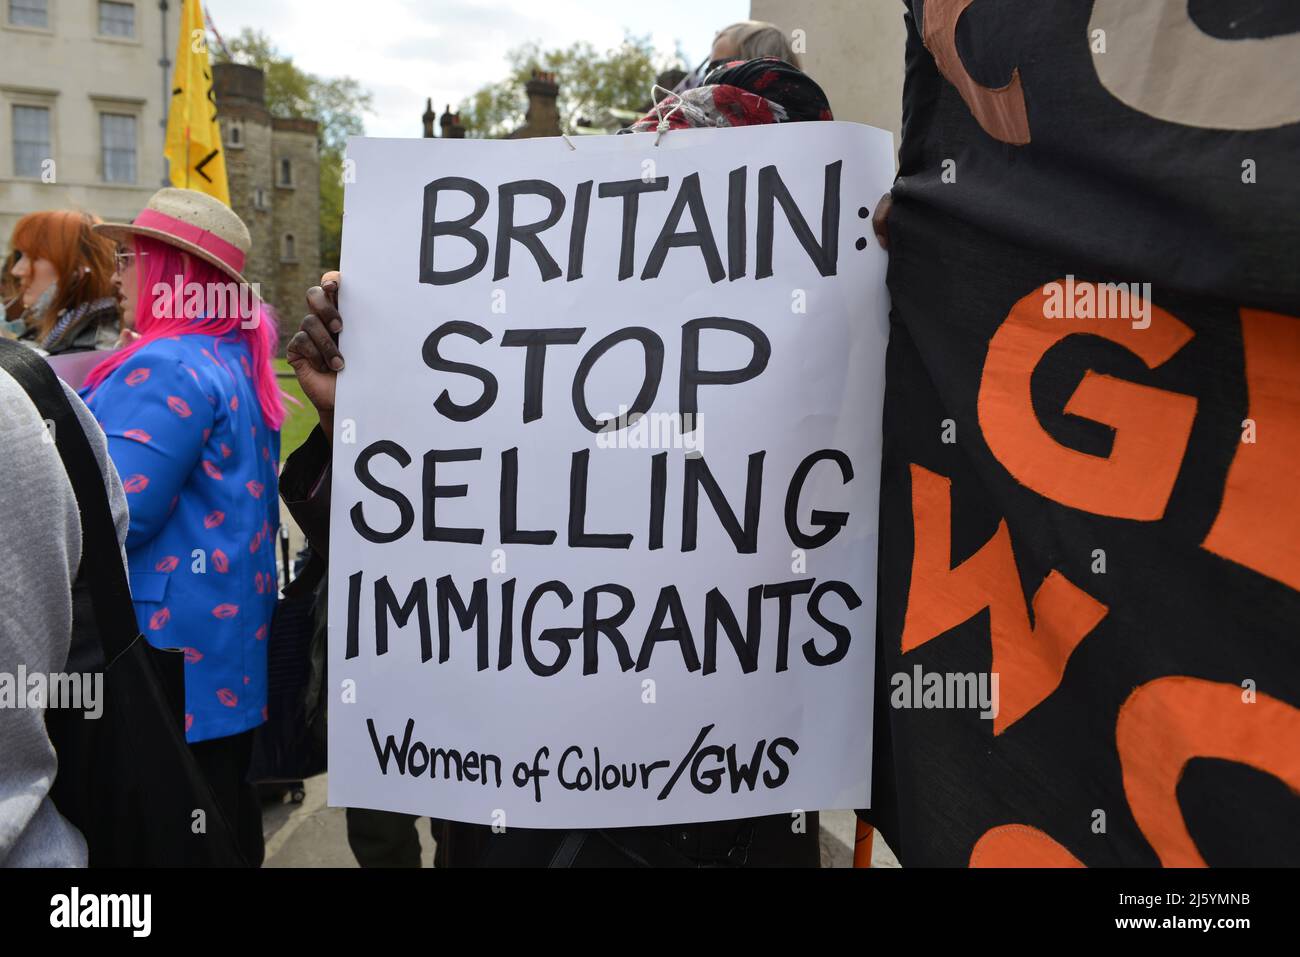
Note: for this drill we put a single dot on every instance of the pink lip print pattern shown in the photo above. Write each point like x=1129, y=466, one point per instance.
x=198, y=464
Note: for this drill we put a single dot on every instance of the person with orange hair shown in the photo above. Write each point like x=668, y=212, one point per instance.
x=11, y=300
x=65, y=272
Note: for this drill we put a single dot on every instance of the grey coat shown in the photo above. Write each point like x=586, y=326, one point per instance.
x=40, y=552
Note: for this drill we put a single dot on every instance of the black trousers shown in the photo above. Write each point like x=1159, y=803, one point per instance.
x=383, y=838
x=224, y=762
x=780, y=840
x=389, y=839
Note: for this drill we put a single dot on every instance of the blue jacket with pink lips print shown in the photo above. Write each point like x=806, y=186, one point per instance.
x=199, y=466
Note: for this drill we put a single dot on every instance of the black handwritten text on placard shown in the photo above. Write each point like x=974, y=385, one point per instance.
x=669, y=622
x=604, y=520
x=772, y=191
x=706, y=768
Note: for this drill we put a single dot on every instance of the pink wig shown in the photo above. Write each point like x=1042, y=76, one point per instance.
x=158, y=315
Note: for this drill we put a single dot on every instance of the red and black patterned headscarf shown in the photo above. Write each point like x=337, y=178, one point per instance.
x=742, y=93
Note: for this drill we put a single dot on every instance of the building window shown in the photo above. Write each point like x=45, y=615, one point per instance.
x=259, y=199
x=235, y=134
x=30, y=13
x=116, y=19
x=117, y=136
x=31, y=140
x=286, y=172
x=289, y=253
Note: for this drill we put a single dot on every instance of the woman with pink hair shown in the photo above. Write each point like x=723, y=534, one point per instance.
x=192, y=414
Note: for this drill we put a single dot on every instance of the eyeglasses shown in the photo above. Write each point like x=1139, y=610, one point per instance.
x=123, y=260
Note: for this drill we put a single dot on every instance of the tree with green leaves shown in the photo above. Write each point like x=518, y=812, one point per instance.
x=337, y=103
x=592, y=84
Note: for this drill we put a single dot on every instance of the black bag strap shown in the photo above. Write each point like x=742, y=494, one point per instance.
x=102, y=572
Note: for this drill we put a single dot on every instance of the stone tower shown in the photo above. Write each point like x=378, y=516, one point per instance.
x=273, y=166
x=543, y=116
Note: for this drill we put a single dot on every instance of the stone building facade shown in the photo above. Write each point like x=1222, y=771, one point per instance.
x=273, y=164
x=84, y=92
x=543, y=116
x=853, y=49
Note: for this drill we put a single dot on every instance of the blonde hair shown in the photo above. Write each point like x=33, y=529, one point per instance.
x=758, y=38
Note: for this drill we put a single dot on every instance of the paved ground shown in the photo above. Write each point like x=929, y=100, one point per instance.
x=311, y=834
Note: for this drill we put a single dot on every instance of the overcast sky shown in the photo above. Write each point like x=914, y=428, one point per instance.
x=406, y=50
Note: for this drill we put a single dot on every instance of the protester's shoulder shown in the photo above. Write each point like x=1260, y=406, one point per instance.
x=169, y=349
x=89, y=425
x=205, y=355
x=166, y=361
x=26, y=446
x=99, y=445
x=19, y=416
x=20, y=423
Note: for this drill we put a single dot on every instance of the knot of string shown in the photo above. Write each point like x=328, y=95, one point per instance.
x=662, y=126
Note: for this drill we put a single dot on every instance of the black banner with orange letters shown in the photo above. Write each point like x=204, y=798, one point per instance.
x=1090, y=512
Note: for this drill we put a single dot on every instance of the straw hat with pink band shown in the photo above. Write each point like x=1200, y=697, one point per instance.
x=194, y=222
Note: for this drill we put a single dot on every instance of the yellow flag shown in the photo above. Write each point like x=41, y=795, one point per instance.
x=194, y=151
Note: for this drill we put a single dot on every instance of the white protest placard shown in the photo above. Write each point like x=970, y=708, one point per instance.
x=606, y=476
